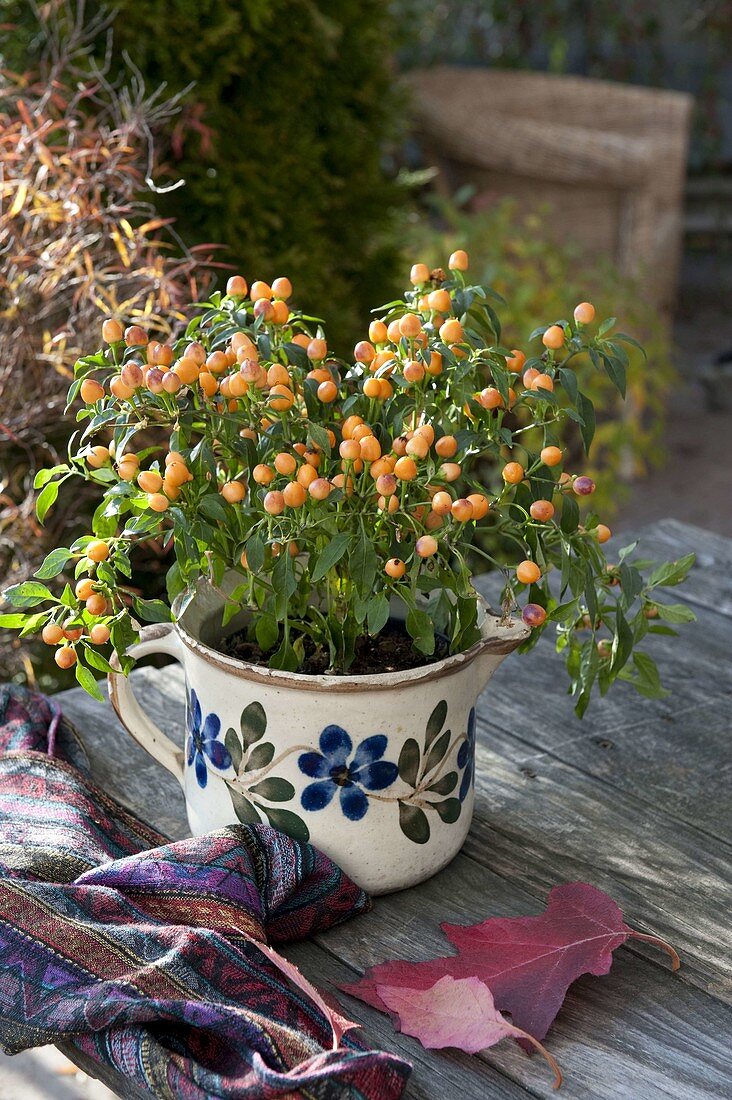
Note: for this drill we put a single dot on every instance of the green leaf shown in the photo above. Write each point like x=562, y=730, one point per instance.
x=233, y=745
x=287, y=822
x=68, y=599
x=362, y=565
x=14, y=622
x=675, y=612
x=631, y=582
x=255, y=553
x=253, y=723
x=267, y=632
x=27, y=594
x=646, y=679
x=408, y=762
x=502, y=379
x=436, y=720
x=97, y=661
x=378, y=613
x=449, y=809
x=623, y=338
x=569, y=380
x=413, y=823
x=622, y=642
x=671, y=573
x=44, y=476
x=606, y=325
x=152, y=611
x=319, y=436
x=285, y=658
x=45, y=499
x=616, y=373
x=284, y=583
x=569, y=521
x=243, y=808
x=587, y=411
x=212, y=505
x=260, y=757
x=445, y=785
x=87, y=681
x=421, y=630
x=328, y=557
x=274, y=789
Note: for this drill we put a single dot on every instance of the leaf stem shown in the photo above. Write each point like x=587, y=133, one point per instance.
x=658, y=942
x=558, y=1078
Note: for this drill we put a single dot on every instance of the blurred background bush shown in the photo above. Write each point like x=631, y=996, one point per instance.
x=145, y=144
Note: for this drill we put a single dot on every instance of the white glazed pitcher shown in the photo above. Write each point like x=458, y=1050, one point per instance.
x=377, y=771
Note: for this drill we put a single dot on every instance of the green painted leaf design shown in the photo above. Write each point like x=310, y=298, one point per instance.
x=445, y=785
x=408, y=763
x=413, y=823
x=449, y=809
x=287, y=822
x=437, y=752
x=274, y=789
x=233, y=744
x=253, y=723
x=260, y=757
x=435, y=722
x=243, y=808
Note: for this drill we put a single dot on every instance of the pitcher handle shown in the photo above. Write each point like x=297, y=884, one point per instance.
x=157, y=638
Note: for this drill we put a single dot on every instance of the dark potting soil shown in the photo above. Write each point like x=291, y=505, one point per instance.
x=389, y=651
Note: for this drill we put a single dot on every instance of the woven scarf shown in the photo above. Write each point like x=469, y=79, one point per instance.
x=142, y=954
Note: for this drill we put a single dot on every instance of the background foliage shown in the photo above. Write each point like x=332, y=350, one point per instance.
x=681, y=44
x=282, y=139
x=508, y=252
x=281, y=142
x=78, y=242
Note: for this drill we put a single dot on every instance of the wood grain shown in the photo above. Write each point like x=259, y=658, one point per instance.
x=635, y=799
x=673, y=753
x=639, y=1032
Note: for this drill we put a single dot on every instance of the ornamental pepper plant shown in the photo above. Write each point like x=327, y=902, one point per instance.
x=337, y=490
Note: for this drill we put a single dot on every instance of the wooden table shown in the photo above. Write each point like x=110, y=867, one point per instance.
x=634, y=799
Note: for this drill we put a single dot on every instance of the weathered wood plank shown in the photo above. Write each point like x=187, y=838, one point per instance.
x=641, y=1032
x=121, y=1086
x=543, y=822
x=118, y=764
x=126, y=772
x=674, y=753
x=709, y=583
x=437, y=1075
x=529, y=690
x=537, y=820
x=557, y=800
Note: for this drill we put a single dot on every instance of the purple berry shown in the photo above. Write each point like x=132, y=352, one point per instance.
x=583, y=486
x=533, y=614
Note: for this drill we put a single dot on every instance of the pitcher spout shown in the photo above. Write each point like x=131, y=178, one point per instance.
x=498, y=638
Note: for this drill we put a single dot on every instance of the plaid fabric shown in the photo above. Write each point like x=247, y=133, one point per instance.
x=136, y=950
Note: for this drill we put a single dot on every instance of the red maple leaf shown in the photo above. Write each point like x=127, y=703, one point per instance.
x=528, y=963
x=456, y=1012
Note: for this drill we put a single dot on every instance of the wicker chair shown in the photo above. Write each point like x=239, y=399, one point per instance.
x=608, y=159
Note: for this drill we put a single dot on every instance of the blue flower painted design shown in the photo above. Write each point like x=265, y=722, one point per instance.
x=333, y=770
x=203, y=743
x=466, y=757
